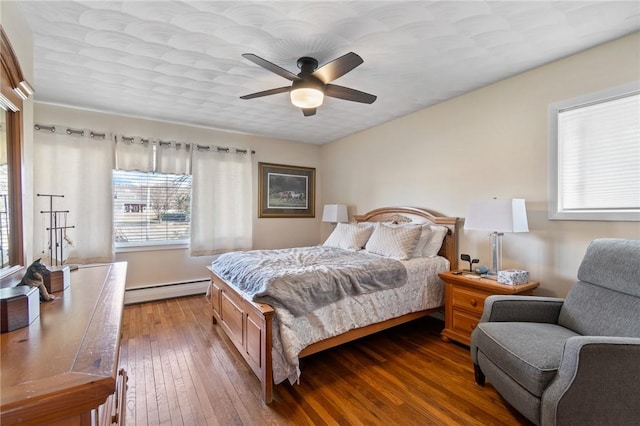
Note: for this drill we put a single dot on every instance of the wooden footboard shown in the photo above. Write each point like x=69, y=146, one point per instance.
x=248, y=325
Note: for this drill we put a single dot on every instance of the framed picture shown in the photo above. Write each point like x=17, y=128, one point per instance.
x=286, y=191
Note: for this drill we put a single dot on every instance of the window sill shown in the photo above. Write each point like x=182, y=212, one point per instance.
x=151, y=247
x=602, y=216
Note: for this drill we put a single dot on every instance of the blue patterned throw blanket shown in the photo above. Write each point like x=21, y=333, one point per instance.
x=307, y=278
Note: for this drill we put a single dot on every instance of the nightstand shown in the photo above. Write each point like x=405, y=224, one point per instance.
x=464, y=302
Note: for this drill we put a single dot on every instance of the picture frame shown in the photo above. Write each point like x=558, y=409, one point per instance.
x=286, y=191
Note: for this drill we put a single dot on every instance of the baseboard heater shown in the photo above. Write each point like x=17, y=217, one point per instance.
x=165, y=291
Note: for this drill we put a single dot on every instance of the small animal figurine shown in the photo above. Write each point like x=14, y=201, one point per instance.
x=34, y=278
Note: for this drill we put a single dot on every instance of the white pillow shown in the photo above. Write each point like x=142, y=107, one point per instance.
x=424, y=236
x=434, y=244
x=396, y=242
x=349, y=236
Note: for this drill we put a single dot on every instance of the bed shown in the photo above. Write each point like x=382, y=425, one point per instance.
x=272, y=339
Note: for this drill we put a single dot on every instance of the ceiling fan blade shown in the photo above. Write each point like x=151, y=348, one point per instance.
x=271, y=66
x=308, y=112
x=266, y=93
x=347, y=94
x=338, y=67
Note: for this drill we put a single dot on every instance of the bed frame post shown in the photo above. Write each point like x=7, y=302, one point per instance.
x=266, y=361
x=249, y=327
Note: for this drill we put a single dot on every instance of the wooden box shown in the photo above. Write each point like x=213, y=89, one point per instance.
x=58, y=279
x=19, y=307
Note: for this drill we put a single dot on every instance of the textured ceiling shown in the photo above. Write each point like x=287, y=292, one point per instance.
x=181, y=61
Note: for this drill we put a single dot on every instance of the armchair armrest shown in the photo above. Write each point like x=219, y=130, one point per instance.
x=597, y=383
x=500, y=308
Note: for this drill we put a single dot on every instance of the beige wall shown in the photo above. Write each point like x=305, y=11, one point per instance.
x=14, y=25
x=169, y=266
x=489, y=143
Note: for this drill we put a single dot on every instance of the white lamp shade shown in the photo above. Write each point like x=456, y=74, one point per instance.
x=306, y=97
x=335, y=213
x=497, y=216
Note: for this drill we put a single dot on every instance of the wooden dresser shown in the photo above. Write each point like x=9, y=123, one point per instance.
x=63, y=368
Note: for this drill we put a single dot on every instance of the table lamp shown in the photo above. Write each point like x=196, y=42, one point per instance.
x=335, y=213
x=497, y=216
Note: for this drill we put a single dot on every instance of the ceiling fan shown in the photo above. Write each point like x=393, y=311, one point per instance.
x=312, y=84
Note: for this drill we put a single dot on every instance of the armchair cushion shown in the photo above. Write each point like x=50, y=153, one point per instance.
x=521, y=309
x=594, y=310
x=529, y=353
x=612, y=263
x=606, y=299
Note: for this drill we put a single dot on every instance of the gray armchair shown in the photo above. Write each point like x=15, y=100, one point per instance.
x=572, y=361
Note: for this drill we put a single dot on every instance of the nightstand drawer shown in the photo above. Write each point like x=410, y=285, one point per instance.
x=464, y=322
x=467, y=299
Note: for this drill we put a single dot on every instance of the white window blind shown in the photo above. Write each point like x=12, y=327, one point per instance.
x=150, y=208
x=596, y=173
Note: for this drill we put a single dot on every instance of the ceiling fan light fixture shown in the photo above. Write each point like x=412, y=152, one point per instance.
x=307, y=97
x=312, y=84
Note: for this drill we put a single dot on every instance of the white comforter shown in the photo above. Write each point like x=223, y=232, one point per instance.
x=303, y=279
x=423, y=290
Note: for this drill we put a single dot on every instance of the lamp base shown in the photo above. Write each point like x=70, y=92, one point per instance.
x=496, y=252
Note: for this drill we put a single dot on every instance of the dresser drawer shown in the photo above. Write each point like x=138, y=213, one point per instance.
x=464, y=322
x=467, y=299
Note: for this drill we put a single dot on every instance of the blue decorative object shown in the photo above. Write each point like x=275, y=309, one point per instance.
x=481, y=269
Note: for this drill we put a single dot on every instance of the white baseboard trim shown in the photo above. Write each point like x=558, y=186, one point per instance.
x=165, y=291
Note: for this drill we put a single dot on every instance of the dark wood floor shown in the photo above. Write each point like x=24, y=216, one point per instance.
x=184, y=371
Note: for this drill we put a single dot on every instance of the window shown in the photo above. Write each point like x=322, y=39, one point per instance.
x=594, y=170
x=151, y=208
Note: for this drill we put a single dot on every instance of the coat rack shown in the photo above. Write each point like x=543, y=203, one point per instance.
x=57, y=230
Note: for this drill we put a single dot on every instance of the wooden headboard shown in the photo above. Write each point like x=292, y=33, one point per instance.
x=449, y=247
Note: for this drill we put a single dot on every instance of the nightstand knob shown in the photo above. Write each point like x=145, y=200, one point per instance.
x=474, y=302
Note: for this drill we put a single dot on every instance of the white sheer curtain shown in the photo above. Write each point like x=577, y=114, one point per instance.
x=221, y=207
x=134, y=153
x=79, y=166
x=173, y=158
